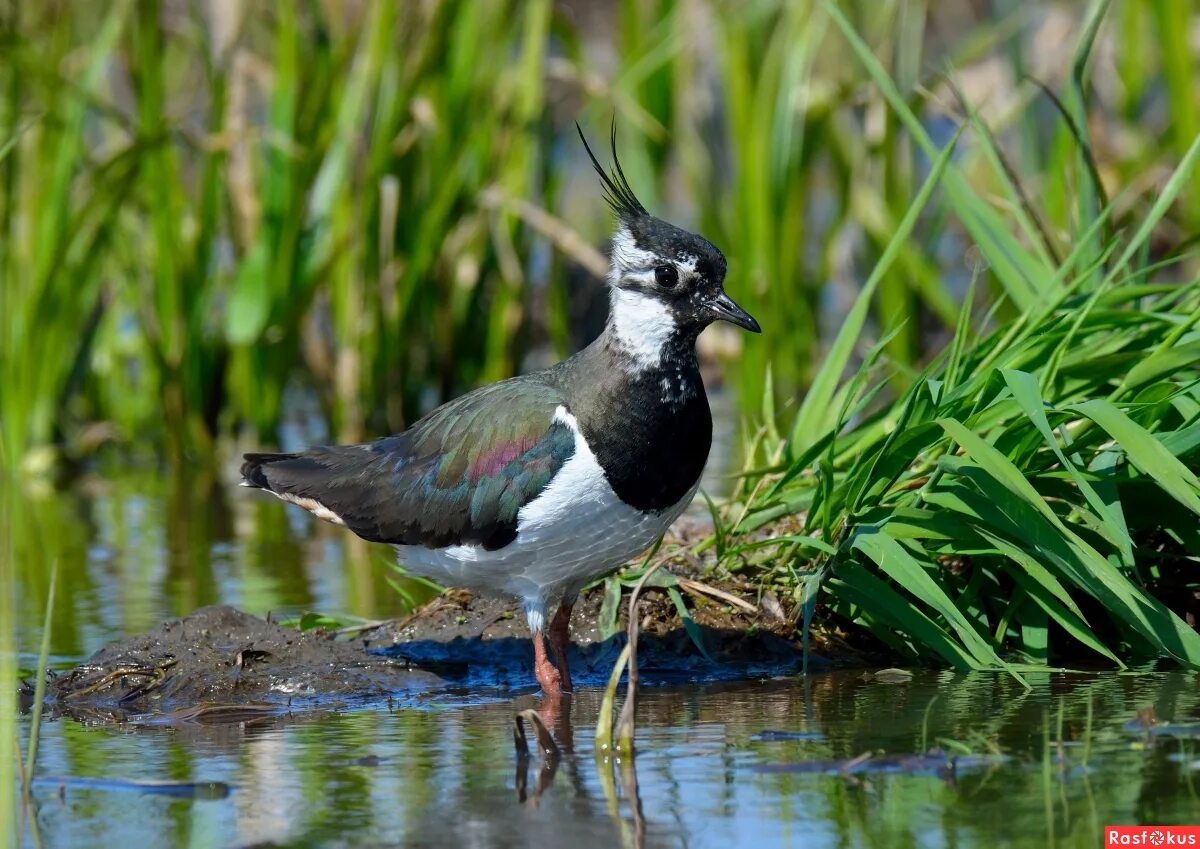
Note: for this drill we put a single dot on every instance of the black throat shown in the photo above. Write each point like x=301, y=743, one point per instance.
x=649, y=426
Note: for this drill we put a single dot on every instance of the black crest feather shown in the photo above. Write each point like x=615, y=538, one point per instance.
x=616, y=188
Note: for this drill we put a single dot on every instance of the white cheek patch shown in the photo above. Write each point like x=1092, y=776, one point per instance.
x=627, y=256
x=645, y=278
x=641, y=325
x=631, y=263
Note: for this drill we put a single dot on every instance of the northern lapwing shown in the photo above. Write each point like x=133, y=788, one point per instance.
x=535, y=486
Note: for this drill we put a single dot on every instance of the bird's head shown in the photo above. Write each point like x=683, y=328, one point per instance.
x=665, y=281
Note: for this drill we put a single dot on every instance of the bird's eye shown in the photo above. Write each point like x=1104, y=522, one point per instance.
x=666, y=276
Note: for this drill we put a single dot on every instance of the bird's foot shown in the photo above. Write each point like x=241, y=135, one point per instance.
x=555, y=709
x=544, y=670
x=549, y=677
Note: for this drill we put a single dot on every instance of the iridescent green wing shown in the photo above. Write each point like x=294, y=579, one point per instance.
x=459, y=476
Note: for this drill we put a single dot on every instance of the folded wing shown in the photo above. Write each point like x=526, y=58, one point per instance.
x=458, y=476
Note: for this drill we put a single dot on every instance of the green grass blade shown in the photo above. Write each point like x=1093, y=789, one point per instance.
x=856, y=585
x=895, y=561
x=1030, y=520
x=604, y=717
x=1021, y=273
x=817, y=408
x=39, y=689
x=1180, y=179
x=1145, y=452
x=689, y=624
x=1025, y=390
x=1048, y=593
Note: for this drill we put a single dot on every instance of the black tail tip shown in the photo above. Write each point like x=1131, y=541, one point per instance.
x=253, y=473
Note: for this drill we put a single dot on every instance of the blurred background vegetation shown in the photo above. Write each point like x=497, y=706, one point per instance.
x=226, y=224
x=223, y=218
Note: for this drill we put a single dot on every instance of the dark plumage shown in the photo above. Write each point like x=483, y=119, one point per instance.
x=537, y=485
x=458, y=476
x=616, y=188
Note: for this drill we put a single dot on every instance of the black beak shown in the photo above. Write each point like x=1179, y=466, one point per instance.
x=725, y=308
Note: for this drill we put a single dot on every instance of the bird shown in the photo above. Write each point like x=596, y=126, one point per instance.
x=535, y=486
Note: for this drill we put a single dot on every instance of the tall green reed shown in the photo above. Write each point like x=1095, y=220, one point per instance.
x=1033, y=493
x=9, y=753
x=290, y=197
x=60, y=188
x=326, y=197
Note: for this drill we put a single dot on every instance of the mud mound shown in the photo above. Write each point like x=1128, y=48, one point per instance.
x=219, y=656
x=220, y=665
x=481, y=641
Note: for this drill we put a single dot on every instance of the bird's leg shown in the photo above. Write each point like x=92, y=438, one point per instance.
x=560, y=638
x=545, y=671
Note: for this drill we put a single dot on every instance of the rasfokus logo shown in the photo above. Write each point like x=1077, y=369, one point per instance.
x=1152, y=835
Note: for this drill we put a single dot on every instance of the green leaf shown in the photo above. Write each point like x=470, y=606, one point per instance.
x=855, y=584
x=1047, y=593
x=1035, y=635
x=610, y=608
x=1024, y=388
x=1182, y=442
x=1052, y=542
x=1145, y=452
x=250, y=301
x=896, y=562
x=807, y=589
x=999, y=466
x=817, y=411
x=689, y=624
x=1166, y=361
x=309, y=620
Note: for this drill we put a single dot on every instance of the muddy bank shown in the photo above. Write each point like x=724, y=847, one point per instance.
x=219, y=664
x=478, y=642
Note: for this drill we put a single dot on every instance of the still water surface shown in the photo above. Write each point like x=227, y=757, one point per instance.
x=765, y=763
x=833, y=760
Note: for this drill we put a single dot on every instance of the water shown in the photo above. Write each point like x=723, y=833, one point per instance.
x=945, y=759
x=716, y=766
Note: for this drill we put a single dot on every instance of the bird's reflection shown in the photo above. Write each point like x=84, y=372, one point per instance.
x=541, y=722
x=545, y=778
x=556, y=714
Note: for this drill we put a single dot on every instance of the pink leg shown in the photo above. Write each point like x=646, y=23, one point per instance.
x=560, y=638
x=545, y=671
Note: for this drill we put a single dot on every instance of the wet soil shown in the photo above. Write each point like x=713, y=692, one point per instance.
x=219, y=661
x=219, y=664
x=482, y=642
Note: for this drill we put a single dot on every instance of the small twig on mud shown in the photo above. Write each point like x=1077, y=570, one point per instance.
x=157, y=674
x=699, y=589
x=360, y=627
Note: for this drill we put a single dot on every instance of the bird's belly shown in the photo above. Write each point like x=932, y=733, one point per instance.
x=576, y=530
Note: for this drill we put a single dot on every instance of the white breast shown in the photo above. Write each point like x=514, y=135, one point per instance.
x=574, y=532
